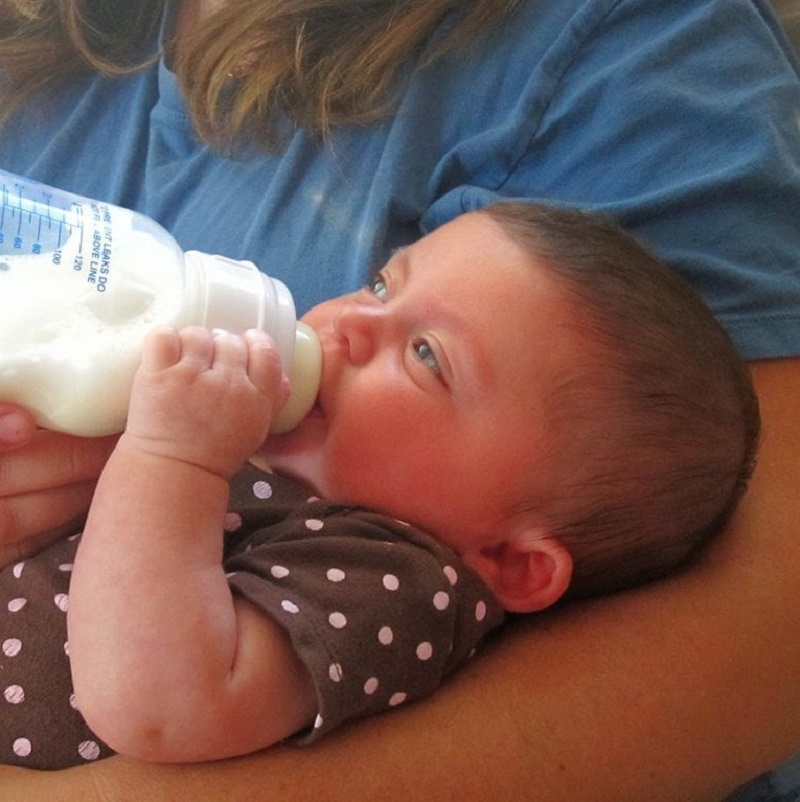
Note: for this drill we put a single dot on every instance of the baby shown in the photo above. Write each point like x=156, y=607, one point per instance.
x=522, y=407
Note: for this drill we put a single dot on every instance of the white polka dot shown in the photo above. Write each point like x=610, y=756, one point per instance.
x=371, y=685
x=335, y=575
x=314, y=524
x=233, y=522
x=66, y=648
x=66, y=568
x=14, y=694
x=337, y=620
x=450, y=573
x=289, y=606
x=441, y=601
x=312, y=499
x=397, y=699
x=89, y=750
x=22, y=747
x=318, y=722
x=15, y=605
x=386, y=636
x=335, y=672
x=480, y=611
x=391, y=582
x=73, y=701
x=74, y=537
x=12, y=647
x=17, y=570
x=262, y=490
x=279, y=571
x=61, y=600
x=425, y=651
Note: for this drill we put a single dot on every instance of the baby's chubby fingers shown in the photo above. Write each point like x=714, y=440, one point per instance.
x=194, y=347
x=264, y=368
x=193, y=352
x=161, y=349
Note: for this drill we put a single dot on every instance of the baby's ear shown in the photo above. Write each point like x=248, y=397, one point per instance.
x=526, y=574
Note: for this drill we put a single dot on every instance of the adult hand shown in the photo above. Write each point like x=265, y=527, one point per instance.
x=46, y=482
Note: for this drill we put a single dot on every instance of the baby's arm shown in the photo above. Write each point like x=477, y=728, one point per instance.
x=167, y=664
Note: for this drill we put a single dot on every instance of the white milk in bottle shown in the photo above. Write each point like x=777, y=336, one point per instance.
x=81, y=282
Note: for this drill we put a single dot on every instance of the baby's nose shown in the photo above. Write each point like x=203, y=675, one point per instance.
x=359, y=326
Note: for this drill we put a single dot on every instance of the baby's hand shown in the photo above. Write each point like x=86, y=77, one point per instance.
x=205, y=399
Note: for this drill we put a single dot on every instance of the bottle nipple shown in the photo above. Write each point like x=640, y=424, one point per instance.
x=304, y=376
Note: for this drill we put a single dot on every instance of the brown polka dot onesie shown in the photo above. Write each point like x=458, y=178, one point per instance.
x=378, y=611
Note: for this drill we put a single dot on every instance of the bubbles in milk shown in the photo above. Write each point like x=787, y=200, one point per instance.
x=63, y=313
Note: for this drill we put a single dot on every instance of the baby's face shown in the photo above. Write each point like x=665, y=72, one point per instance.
x=433, y=383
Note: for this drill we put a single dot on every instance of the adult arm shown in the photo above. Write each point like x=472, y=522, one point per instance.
x=681, y=690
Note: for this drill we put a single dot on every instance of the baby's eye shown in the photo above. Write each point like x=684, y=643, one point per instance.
x=426, y=355
x=378, y=286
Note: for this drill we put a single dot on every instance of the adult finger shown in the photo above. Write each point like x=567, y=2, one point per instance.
x=49, y=460
x=30, y=522
x=17, y=427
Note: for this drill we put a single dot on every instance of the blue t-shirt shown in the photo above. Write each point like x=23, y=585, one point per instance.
x=677, y=117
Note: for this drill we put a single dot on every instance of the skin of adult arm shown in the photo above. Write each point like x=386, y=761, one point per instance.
x=167, y=664
x=47, y=480
x=681, y=690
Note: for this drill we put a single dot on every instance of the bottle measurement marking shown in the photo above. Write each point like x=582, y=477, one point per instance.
x=33, y=219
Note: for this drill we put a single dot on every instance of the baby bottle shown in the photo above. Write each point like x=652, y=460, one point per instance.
x=81, y=282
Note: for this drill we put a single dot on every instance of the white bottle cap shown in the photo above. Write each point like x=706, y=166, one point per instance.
x=236, y=296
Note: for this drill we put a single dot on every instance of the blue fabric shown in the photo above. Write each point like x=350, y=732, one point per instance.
x=606, y=104
x=780, y=785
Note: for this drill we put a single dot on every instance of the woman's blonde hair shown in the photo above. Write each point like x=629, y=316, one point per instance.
x=251, y=67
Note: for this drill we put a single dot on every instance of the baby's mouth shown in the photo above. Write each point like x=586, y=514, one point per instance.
x=316, y=411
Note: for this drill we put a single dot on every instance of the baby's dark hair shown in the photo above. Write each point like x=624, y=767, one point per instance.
x=654, y=428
